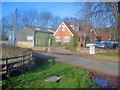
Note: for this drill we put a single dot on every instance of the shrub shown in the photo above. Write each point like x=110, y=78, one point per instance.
x=72, y=44
x=54, y=43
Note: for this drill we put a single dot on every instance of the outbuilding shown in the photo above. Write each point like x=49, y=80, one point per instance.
x=30, y=36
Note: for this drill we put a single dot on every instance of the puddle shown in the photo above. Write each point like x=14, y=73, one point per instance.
x=100, y=82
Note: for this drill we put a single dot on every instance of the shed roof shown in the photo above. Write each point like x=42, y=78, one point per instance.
x=40, y=29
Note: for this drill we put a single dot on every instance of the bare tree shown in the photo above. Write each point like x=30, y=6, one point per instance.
x=101, y=14
x=8, y=23
x=55, y=22
x=29, y=17
x=69, y=19
x=43, y=19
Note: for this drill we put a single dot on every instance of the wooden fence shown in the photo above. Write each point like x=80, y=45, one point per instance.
x=9, y=66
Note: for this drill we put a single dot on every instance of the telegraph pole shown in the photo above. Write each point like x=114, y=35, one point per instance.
x=15, y=25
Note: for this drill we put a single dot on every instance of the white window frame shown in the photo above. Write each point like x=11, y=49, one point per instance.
x=58, y=39
x=63, y=28
x=30, y=38
x=66, y=38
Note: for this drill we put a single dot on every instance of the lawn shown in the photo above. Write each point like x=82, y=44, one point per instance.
x=72, y=76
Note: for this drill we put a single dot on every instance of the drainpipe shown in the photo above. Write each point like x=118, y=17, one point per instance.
x=80, y=42
x=61, y=36
x=84, y=41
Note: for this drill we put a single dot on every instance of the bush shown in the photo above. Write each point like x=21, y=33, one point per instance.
x=72, y=44
x=55, y=44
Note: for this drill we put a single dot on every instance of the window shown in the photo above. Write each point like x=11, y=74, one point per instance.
x=66, y=39
x=58, y=39
x=63, y=28
x=98, y=38
x=30, y=38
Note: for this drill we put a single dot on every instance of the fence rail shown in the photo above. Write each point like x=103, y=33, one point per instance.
x=9, y=65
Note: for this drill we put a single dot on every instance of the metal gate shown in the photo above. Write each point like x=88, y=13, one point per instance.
x=43, y=39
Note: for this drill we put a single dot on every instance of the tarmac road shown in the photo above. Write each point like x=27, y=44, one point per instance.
x=108, y=68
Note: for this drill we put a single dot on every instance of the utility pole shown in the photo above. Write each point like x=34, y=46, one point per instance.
x=15, y=25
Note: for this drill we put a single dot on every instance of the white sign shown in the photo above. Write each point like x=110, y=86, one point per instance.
x=92, y=49
x=29, y=37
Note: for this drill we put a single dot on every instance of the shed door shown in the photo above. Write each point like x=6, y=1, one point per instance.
x=42, y=39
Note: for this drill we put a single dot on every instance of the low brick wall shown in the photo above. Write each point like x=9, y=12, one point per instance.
x=83, y=50
x=43, y=49
x=25, y=44
x=86, y=50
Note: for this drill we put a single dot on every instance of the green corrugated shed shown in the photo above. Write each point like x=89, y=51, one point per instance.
x=43, y=39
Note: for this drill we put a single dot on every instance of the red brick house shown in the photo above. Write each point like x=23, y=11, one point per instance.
x=84, y=33
x=103, y=36
x=63, y=33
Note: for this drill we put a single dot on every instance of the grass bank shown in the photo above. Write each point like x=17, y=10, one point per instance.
x=72, y=76
x=10, y=51
x=107, y=53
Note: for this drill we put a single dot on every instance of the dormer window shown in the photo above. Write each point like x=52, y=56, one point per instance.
x=91, y=30
x=63, y=28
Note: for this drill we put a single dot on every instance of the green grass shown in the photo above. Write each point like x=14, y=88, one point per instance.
x=107, y=53
x=72, y=76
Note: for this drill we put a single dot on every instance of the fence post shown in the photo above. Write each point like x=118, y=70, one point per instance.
x=23, y=60
x=32, y=54
x=6, y=62
x=27, y=57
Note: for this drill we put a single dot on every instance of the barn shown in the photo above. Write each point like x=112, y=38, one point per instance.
x=31, y=36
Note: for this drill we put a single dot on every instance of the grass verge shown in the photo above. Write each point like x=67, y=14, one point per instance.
x=10, y=51
x=72, y=76
x=107, y=53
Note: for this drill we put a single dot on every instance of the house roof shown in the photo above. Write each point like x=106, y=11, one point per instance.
x=79, y=33
x=72, y=23
x=85, y=28
x=70, y=28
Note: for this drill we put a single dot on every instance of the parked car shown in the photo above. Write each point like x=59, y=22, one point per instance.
x=90, y=44
x=100, y=45
x=110, y=45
